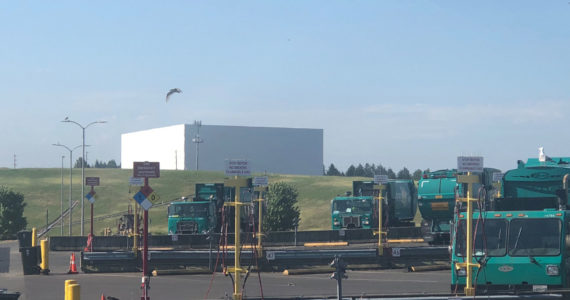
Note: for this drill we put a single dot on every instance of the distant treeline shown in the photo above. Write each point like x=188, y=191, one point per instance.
x=369, y=170
x=112, y=164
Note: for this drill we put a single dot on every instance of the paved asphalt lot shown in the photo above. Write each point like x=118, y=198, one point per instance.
x=126, y=286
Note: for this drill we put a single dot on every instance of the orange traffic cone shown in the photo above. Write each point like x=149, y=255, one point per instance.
x=72, y=266
x=103, y=297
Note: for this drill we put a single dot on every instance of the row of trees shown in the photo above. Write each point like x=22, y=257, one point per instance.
x=98, y=164
x=369, y=170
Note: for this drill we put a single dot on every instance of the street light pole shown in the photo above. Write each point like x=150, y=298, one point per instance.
x=61, y=215
x=197, y=140
x=70, y=182
x=67, y=120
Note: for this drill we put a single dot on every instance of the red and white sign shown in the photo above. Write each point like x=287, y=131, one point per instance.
x=146, y=169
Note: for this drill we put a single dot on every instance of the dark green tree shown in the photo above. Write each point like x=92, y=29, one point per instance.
x=12, y=217
x=333, y=171
x=359, y=171
x=112, y=164
x=351, y=171
x=380, y=170
x=417, y=175
x=369, y=170
x=404, y=174
x=391, y=174
x=78, y=163
x=282, y=211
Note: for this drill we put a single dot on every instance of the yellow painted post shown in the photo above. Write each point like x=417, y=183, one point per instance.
x=260, y=227
x=380, y=188
x=44, y=265
x=237, y=274
x=74, y=291
x=135, y=230
x=34, y=237
x=237, y=184
x=67, y=283
x=469, y=290
x=469, y=179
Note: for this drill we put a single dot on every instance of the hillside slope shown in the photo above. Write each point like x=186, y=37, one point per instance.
x=42, y=192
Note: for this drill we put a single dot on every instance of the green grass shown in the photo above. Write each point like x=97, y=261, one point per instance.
x=42, y=190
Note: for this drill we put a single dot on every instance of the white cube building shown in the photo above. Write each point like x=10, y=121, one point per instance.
x=207, y=147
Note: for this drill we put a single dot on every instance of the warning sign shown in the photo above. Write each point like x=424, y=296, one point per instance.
x=146, y=169
x=237, y=167
x=472, y=164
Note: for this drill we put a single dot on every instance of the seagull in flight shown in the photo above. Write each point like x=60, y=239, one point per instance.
x=172, y=91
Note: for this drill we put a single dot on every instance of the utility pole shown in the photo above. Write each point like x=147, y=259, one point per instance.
x=62, y=223
x=14, y=161
x=197, y=140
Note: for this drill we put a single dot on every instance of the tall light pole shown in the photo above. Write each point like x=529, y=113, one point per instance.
x=61, y=215
x=70, y=182
x=67, y=120
x=197, y=140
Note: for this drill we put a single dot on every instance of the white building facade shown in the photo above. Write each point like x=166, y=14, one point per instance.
x=207, y=147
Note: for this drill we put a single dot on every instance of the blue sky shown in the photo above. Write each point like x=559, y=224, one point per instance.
x=400, y=83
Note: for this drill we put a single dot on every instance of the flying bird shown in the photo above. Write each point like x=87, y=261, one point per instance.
x=172, y=91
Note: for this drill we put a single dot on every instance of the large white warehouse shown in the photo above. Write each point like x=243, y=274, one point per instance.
x=207, y=147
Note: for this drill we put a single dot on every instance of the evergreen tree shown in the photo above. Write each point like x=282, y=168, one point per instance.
x=351, y=171
x=404, y=174
x=391, y=174
x=359, y=171
x=368, y=170
x=78, y=163
x=333, y=171
x=112, y=164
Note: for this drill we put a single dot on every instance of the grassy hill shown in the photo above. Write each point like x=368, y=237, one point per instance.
x=42, y=192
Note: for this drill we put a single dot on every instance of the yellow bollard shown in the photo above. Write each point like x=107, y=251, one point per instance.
x=68, y=283
x=74, y=291
x=44, y=265
x=34, y=237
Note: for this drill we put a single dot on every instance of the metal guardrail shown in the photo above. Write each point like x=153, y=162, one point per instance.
x=273, y=259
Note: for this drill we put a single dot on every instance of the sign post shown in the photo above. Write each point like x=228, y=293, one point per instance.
x=237, y=183
x=91, y=181
x=260, y=186
x=145, y=170
x=469, y=164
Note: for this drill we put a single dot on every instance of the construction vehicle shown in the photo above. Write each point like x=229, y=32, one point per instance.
x=204, y=213
x=359, y=209
x=521, y=239
x=436, y=200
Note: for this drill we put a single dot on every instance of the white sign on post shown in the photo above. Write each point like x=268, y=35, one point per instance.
x=472, y=164
x=136, y=181
x=260, y=181
x=380, y=179
x=237, y=167
x=497, y=176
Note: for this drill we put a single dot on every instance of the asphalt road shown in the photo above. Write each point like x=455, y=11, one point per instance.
x=126, y=286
